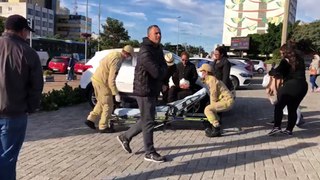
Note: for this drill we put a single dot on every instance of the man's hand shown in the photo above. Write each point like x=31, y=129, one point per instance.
x=117, y=98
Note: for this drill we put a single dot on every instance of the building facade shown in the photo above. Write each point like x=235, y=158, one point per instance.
x=72, y=26
x=243, y=17
x=40, y=12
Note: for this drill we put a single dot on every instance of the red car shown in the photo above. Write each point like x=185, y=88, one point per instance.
x=81, y=66
x=59, y=64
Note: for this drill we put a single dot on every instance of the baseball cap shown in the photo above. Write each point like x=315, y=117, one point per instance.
x=17, y=23
x=169, y=59
x=205, y=67
x=128, y=49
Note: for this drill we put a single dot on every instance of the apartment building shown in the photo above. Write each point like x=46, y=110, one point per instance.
x=243, y=17
x=72, y=26
x=40, y=12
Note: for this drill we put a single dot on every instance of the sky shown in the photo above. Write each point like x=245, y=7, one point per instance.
x=195, y=22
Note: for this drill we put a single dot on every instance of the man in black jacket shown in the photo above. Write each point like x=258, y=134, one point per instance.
x=21, y=84
x=186, y=72
x=149, y=73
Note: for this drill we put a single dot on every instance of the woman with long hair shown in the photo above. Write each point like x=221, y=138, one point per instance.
x=293, y=90
x=221, y=66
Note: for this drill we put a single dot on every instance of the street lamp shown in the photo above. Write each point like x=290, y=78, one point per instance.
x=86, y=40
x=285, y=22
x=99, y=25
x=178, y=35
x=200, y=44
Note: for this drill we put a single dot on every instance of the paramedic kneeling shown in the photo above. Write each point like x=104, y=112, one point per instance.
x=221, y=99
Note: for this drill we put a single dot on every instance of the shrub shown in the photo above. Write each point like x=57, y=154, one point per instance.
x=59, y=98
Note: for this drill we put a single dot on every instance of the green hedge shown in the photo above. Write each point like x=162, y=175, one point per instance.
x=67, y=96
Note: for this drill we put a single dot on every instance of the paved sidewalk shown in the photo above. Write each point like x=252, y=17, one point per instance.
x=59, y=146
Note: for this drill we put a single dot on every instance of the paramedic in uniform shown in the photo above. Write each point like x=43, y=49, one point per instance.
x=221, y=99
x=103, y=81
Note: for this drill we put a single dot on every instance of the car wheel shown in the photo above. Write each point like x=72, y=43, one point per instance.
x=92, y=98
x=260, y=71
x=235, y=82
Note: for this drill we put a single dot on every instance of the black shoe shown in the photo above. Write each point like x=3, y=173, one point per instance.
x=107, y=130
x=124, y=143
x=214, y=132
x=207, y=125
x=90, y=124
x=154, y=157
x=274, y=131
x=287, y=132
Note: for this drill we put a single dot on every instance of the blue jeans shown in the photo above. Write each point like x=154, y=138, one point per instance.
x=313, y=79
x=12, y=134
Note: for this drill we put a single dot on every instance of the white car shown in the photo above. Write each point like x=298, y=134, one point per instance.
x=125, y=77
x=259, y=66
x=239, y=75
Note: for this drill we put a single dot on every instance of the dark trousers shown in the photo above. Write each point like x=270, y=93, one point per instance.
x=165, y=92
x=290, y=95
x=147, y=107
x=70, y=74
x=176, y=93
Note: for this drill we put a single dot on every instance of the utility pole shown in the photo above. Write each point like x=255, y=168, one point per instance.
x=75, y=8
x=86, y=38
x=31, y=25
x=178, y=36
x=99, y=25
x=284, y=34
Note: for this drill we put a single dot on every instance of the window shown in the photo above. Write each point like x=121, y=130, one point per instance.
x=30, y=11
x=0, y=9
x=9, y=8
x=38, y=22
x=44, y=24
x=44, y=15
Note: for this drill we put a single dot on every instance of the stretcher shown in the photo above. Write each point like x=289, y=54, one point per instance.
x=177, y=110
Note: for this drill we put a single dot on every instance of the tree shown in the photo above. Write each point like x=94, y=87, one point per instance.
x=113, y=34
x=308, y=35
x=133, y=43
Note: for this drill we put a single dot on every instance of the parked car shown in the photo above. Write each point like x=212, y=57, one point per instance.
x=249, y=64
x=125, y=77
x=59, y=64
x=81, y=66
x=239, y=75
x=259, y=66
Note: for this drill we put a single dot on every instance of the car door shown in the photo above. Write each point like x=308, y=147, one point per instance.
x=125, y=77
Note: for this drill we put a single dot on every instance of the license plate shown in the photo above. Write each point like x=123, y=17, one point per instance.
x=80, y=70
x=55, y=69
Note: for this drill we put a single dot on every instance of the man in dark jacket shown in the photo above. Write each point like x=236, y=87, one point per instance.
x=21, y=84
x=149, y=73
x=186, y=72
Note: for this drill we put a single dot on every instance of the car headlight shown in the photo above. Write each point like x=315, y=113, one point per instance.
x=245, y=75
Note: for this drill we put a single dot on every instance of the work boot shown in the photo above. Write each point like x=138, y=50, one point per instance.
x=90, y=124
x=214, y=132
x=207, y=125
x=107, y=130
